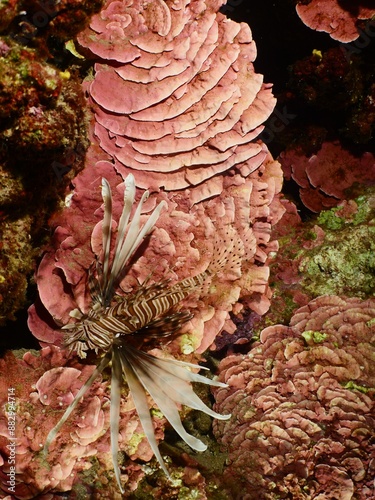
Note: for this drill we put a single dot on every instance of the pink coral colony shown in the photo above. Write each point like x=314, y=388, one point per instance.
x=325, y=177
x=177, y=111
x=145, y=273
x=339, y=19
x=302, y=405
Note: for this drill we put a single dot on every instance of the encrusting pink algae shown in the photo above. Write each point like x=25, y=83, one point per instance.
x=174, y=227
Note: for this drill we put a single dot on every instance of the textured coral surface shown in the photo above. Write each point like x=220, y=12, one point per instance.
x=302, y=406
x=339, y=19
x=44, y=384
x=324, y=177
x=177, y=100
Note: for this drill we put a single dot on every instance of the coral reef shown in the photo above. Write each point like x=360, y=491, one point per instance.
x=160, y=121
x=331, y=254
x=174, y=153
x=302, y=406
x=44, y=383
x=40, y=105
x=16, y=262
x=325, y=178
x=42, y=138
x=180, y=246
x=339, y=19
x=31, y=22
x=177, y=101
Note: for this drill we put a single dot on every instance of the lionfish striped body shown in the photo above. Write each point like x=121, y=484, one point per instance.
x=139, y=312
x=120, y=325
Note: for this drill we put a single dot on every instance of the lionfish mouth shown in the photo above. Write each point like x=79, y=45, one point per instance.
x=151, y=312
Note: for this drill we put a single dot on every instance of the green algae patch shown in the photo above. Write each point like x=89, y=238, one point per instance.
x=355, y=387
x=343, y=264
x=334, y=220
x=312, y=337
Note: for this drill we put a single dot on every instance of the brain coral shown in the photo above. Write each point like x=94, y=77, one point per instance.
x=177, y=101
x=302, y=406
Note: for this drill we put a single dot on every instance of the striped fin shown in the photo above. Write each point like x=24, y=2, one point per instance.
x=166, y=326
x=154, y=301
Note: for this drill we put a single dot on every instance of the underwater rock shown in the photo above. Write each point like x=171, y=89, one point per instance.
x=42, y=138
x=302, y=406
x=16, y=262
x=35, y=23
x=331, y=254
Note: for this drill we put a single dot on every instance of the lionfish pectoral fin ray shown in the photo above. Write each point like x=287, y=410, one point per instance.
x=134, y=236
x=179, y=368
x=166, y=403
x=116, y=380
x=140, y=402
x=172, y=382
x=106, y=230
x=86, y=386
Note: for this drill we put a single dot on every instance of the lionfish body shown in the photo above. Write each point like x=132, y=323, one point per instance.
x=139, y=312
x=120, y=325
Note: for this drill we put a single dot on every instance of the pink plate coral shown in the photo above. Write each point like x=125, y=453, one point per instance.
x=177, y=105
x=339, y=19
x=43, y=384
x=177, y=101
x=302, y=406
x=324, y=177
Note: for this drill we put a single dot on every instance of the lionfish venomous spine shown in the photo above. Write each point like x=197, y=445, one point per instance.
x=122, y=325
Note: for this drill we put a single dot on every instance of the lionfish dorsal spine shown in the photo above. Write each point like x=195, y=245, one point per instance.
x=129, y=235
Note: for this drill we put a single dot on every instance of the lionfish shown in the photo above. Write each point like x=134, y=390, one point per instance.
x=121, y=326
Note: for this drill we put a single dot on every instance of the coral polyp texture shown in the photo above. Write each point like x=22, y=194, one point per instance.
x=177, y=101
x=302, y=406
x=340, y=20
